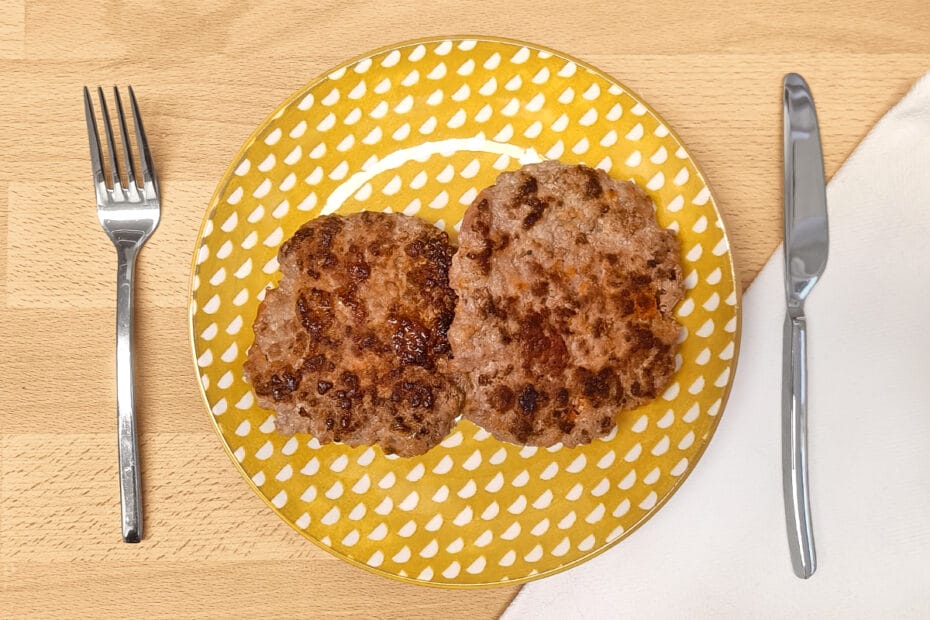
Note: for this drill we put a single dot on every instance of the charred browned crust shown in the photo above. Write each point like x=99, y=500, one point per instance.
x=566, y=288
x=352, y=346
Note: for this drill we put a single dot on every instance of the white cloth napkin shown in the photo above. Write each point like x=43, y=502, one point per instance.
x=718, y=549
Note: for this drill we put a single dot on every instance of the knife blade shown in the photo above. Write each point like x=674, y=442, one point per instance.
x=806, y=248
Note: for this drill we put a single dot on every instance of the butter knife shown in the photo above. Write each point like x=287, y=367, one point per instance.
x=806, y=249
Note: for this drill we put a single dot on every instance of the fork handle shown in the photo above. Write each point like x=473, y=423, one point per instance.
x=129, y=483
x=794, y=447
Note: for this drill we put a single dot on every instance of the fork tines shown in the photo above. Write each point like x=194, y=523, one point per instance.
x=132, y=190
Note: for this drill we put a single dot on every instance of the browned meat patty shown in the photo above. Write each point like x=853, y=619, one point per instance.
x=566, y=289
x=352, y=344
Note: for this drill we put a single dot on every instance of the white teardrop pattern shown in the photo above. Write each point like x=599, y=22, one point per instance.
x=422, y=129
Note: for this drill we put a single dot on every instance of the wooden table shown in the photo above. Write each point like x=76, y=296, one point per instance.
x=207, y=73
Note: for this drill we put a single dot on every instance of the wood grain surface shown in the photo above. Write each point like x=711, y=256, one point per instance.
x=206, y=74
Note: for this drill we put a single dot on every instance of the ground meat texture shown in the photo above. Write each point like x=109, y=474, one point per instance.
x=567, y=287
x=352, y=345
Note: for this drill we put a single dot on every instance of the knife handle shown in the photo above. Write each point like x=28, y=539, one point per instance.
x=794, y=447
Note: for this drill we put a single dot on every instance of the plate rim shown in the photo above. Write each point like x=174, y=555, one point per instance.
x=214, y=203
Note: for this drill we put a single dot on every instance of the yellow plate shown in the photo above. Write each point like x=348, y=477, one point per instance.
x=419, y=128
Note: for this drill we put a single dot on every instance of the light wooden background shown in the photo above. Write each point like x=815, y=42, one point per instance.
x=207, y=73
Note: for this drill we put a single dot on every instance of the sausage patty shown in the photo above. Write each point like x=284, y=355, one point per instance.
x=352, y=345
x=566, y=288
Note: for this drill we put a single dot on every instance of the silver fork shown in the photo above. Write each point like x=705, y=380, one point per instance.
x=129, y=215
